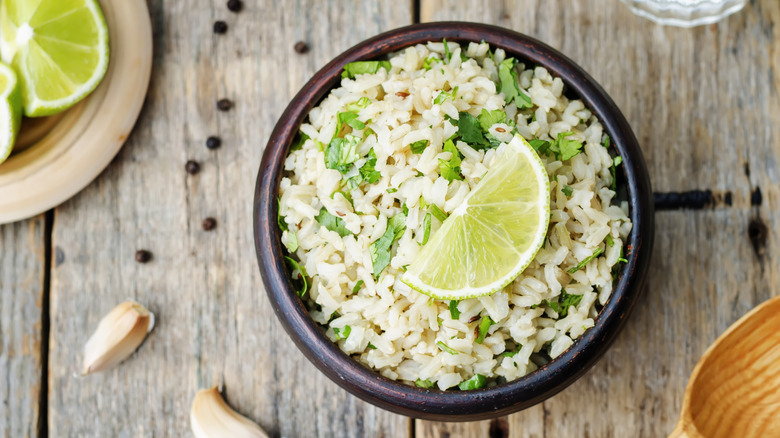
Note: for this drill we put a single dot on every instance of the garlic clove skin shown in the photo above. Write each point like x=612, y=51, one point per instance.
x=118, y=335
x=211, y=417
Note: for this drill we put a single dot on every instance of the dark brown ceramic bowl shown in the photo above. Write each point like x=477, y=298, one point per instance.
x=455, y=405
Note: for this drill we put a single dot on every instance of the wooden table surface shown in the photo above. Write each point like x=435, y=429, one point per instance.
x=703, y=102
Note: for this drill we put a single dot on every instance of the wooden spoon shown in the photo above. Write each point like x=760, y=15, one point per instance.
x=734, y=390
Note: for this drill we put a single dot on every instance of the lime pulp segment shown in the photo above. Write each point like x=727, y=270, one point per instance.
x=10, y=110
x=493, y=236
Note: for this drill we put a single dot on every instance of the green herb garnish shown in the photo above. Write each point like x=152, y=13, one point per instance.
x=489, y=118
x=368, y=171
x=380, y=250
x=359, y=105
x=587, y=260
x=357, y=286
x=342, y=333
x=470, y=131
x=511, y=353
x=447, y=54
x=299, y=140
x=617, y=161
x=450, y=170
x=484, y=325
x=438, y=213
x=424, y=384
x=419, y=146
x=507, y=84
x=565, y=300
x=444, y=95
x=371, y=346
x=567, y=190
x=333, y=223
x=454, y=312
x=565, y=149
x=426, y=228
x=341, y=153
x=302, y=274
x=443, y=347
x=609, y=240
x=292, y=244
x=476, y=382
x=364, y=67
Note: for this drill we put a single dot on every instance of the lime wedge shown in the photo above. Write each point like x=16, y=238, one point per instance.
x=493, y=236
x=10, y=110
x=59, y=48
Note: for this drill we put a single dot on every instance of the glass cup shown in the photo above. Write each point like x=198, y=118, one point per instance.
x=685, y=13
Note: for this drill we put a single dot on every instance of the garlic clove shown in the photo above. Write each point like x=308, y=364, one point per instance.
x=118, y=335
x=211, y=417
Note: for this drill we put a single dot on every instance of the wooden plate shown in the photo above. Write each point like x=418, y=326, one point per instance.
x=81, y=142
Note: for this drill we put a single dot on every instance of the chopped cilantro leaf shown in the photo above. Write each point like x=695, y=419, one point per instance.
x=469, y=130
x=565, y=149
x=299, y=140
x=489, y=118
x=341, y=153
x=567, y=190
x=428, y=62
x=302, y=275
x=350, y=119
x=476, y=382
x=368, y=171
x=371, y=346
x=443, y=347
x=511, y=353
x=362, y=67
x=333, y=223
x=587, y=260
x=342, y=333
x=609, y=240
x=405, y=209
x=454, y=312
x=444, y=95
x=447, y=54
x=279, y=219
x=507, y=82
x=380, y=249
x=357, y=286
x=419, y=146
x=540, y=146
x=360, y=104
x=484, y=325
x=438, y=213
x=392, y=190
x=606, y=141
x=292, y=241
x=424, y=384
x=450, y=170
x=617, y=161
x=426, y=228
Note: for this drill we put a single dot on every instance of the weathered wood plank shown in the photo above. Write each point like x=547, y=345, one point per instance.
x=22, y=266
x=704, y=104
x=214, y=322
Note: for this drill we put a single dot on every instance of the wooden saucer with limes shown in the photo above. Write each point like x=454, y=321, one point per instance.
x=57, y=156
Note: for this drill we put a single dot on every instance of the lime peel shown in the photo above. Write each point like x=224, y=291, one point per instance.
x=10, y=110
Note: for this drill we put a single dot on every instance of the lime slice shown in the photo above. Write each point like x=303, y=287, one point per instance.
x=10, y=110
x=493, y=236
x=59, y=48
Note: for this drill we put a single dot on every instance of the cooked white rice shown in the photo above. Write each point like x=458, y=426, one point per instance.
x=394, y=329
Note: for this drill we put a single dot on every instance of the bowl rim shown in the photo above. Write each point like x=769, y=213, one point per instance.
x=433, y=404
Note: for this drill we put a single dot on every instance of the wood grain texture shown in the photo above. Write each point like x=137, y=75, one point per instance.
x=704, y=105
x=214, y=323
x=22, y=267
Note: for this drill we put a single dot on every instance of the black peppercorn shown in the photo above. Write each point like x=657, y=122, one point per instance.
x=224, y=104
x=143, y=256
x=192, y=167
x=301, y=47
x=220, y=27
x=209, y=224
x=235, y=5
x=213, y=142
